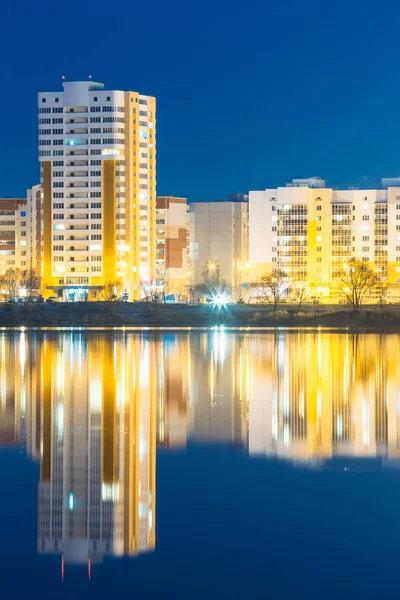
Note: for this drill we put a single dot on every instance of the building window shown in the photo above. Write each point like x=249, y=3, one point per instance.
x=319, y=207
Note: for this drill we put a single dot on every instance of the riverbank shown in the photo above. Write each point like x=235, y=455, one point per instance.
x=143, y=314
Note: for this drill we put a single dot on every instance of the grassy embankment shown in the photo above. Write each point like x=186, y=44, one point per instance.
x=102, y=314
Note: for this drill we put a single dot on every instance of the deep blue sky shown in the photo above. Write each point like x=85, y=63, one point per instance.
x=250, y=94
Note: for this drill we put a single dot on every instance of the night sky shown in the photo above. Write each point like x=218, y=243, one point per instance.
x=249, y=94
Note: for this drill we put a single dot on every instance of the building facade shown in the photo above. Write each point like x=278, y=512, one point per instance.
x=14, y=235
x=308, y=232
x=97, y=150
x=34, y=222
x=219, y=236
x=172, y=244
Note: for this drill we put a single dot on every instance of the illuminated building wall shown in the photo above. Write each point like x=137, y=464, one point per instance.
x=15, y=234
x=219, y=234
x=97, y=150
x=172, y=244
x=308, y=232
x=34, y=223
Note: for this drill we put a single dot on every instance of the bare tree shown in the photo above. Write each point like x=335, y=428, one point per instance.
x=356, y=280
x=112, y=291
x=30, y=282
x=211, y=273
x=273, y=287
x=9, y=283
x=302, y=291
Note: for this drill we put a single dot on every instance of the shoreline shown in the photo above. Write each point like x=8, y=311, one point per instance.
x=139, y=315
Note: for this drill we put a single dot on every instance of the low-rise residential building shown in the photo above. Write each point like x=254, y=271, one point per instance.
x=219, y=237
x=14, y=235
x=172, y=269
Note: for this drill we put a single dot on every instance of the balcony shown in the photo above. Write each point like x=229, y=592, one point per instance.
x=78, y=259
x=76, y=110
x=76, y=142
x=76, y=151
x=77, y=163
x=75, y=120
x=83, y=217
x=73, y=249
x=77, y=131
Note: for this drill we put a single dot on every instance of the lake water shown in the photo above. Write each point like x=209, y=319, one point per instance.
x=199, y=465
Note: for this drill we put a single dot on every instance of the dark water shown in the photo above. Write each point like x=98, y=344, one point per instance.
x=211, y=465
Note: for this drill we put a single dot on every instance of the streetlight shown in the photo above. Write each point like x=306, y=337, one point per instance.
x=213, y=267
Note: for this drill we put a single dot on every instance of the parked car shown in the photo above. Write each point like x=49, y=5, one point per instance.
x=51, y=300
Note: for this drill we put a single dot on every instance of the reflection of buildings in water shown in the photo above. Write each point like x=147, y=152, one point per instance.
x=173, y=354
x=316, y=396
x=19, y=402
x=219, y=388
x=93, y=407
x=97, y=488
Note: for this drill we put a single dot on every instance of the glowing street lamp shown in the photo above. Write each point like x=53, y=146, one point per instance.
x=220, y=300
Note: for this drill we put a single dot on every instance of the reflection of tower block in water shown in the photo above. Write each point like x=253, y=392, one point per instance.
x=97, y=489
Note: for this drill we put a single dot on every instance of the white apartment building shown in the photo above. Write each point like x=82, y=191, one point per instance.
x=219, y=236
x=309, y=231
x=97, y=150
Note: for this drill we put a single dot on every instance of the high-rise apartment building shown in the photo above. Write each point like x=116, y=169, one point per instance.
x=308, y=232
x=172, y=243
x=219, y=236
x=97, y=150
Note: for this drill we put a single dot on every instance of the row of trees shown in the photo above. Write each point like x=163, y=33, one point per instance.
x=15, y=283
x=356, y=281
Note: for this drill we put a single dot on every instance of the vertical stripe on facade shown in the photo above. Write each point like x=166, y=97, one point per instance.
x=47, y=233
x=109, y=221
x=109, y=416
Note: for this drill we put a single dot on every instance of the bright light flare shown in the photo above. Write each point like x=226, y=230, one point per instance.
x=220, y=300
